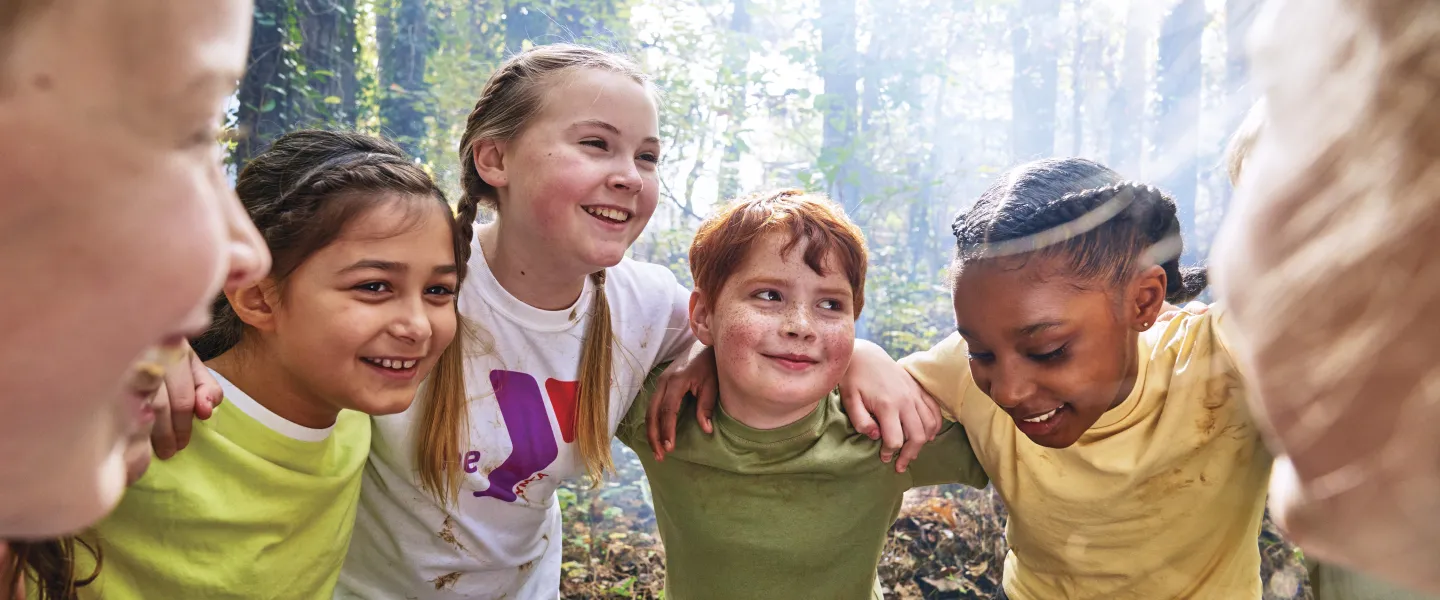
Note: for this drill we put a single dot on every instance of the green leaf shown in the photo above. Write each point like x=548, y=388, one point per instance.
x=268, y=106
x=333, y=100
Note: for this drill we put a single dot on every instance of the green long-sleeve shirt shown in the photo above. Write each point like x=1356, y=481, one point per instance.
x=801, y=511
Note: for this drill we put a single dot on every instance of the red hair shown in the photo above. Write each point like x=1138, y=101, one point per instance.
x=724, y=240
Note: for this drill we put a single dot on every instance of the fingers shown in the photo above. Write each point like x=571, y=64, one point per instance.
x=207, y=391
x=180, y=382
x=162, y=434
x=892, y=432
x=930, y=415
x=859, y=415
x=708, y=394
x=910, y=423
x=654, y=414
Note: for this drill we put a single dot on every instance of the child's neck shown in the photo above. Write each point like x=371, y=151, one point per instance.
x=522, y=269
x=270, y=386
x=761, y=413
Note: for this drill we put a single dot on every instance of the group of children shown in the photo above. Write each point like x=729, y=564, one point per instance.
x=528, y=342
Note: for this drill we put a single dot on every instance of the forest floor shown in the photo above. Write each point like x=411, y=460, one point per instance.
x=949, y=543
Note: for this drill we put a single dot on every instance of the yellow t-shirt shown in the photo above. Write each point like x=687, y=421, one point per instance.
x=1161, y=498
x=255, y=508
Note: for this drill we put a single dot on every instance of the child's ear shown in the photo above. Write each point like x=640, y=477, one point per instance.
x=700, y=318
x=489, y=157
x=255, y=304
x=1147, y=298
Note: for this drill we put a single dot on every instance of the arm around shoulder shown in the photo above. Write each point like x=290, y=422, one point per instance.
x=944, y=372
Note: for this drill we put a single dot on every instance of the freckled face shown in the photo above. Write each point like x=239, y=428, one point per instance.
x=781, y=332
x=1052, y=352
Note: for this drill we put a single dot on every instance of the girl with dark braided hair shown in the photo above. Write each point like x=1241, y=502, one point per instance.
x=356, y=311
x=1120, y=444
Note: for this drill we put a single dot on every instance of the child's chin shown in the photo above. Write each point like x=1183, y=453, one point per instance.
x=386, y=405
x=1057, y=440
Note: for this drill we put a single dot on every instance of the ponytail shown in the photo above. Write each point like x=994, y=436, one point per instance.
x=592, y=419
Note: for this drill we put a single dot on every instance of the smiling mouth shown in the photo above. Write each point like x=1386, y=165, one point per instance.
x=393, y=364
x=792, y=361
x=611, y=215
x=1043, y=417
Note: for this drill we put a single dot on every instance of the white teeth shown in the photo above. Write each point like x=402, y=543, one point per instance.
x=390, y=364
x=1042, y=418
x=609, y=213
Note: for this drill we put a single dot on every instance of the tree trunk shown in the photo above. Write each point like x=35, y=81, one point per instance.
x=737, y=58
x=1178, y=83
x=839, y=103
x=403, y=36
x=1033, y=95
x=266, y=89
x=1127, y=104
x=327, y=50
x=1239, y=16
x=1078, y=75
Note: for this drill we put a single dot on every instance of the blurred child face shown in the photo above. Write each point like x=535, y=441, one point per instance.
x=580, y=180
x=1053, y=352
x=116, y=221
x=363, y=320
x=782, y=333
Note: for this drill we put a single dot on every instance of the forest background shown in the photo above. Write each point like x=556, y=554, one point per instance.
x=902, y=110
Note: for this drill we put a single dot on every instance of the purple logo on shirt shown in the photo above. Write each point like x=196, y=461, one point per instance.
x=527, y=421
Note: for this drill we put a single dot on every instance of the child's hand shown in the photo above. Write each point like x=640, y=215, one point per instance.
x=692, y=374
x=885, y=403
x=189, y=392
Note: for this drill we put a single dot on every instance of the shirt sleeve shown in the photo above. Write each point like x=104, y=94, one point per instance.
x=944, y=372
x=948, y=459
x=678, y=337
x=631, y=431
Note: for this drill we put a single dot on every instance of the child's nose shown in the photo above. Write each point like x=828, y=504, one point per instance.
x=798, y=324
x=626, y=178
x=1010, y=387
x=412, y=325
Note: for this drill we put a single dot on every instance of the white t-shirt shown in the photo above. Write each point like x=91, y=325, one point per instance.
x=504, y=540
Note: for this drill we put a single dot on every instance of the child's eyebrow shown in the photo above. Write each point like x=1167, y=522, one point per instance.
x=379, y=265
x=1035, y=328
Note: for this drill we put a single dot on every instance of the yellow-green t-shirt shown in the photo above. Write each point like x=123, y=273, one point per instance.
x=1161, y=498
x=255, y=507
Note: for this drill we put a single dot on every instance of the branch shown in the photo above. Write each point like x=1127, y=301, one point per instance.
x=685, y=210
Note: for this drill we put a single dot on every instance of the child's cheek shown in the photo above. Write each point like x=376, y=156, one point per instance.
x=838, y=340
x=740, y=335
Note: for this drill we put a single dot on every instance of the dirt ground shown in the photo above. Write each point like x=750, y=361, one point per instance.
x=949, y=543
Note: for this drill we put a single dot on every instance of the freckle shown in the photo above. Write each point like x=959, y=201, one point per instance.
x=42, y=82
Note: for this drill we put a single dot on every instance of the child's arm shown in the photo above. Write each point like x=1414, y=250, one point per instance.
x=638, y=424
x=882, y=401
x=905, y=418
x=948, y=459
